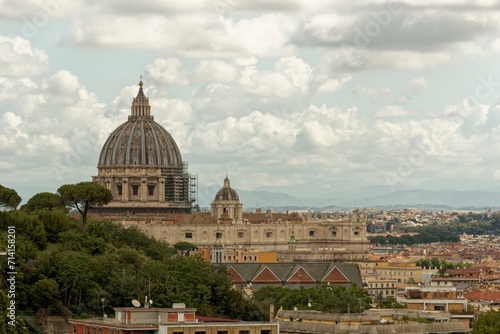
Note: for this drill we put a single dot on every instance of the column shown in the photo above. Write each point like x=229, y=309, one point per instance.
x=125, y=190
x=161, y=189
x=143, y=189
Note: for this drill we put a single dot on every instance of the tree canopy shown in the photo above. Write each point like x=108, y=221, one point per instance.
x=63, y=271
x=325, y=298
x=441, y=264
x=390, y=302
x=9, y=198
x=83, y=196
x=487, y=323
x=184, y=247
x=422, y=238
x=44, y=200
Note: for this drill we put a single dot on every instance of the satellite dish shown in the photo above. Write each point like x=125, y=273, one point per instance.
x=150, y=302
x=295, y=309
x=136, y=303
x=105, y=316
x=309, y=304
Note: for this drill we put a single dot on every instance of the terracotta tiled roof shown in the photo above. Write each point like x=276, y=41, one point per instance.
x=484, y=295
x=198, y=218
x=256, y=218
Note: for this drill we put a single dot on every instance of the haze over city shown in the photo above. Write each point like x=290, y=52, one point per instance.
x=306, y=98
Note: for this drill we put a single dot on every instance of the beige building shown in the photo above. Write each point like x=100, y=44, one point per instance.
x=434, y=298
x=380, y=288
x=166, y=321
x=314, y=239
x=402, y=273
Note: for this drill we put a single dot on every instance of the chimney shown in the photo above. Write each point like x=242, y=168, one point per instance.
x=271, y=312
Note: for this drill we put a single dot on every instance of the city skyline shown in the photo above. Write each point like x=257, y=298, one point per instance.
x=286, y=96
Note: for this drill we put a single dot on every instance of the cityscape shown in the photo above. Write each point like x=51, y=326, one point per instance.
x=270, y=167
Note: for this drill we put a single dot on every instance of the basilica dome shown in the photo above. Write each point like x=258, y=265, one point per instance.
x=142, y=166
x=226, y=193
x=140, y=141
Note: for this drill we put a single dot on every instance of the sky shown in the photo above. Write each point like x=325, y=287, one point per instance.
x=304, y=97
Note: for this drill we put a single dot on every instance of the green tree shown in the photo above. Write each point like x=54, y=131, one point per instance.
x=54, y=221
x=45, y=292
x=184, y=247
x=84, y=196
x=43, y=201
x=9, y=198
x=390, y=302
x=487, y=323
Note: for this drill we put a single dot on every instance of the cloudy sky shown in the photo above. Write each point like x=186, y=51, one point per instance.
x=300, y=96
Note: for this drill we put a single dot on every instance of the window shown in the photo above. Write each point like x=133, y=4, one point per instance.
x=381, y=285
x=178, y=332
x=392, y=292
x=334, y=233
x=244, y=332
x=356, y=233
x=188, y=235
x=135, y=190
x=269, y=234
x=393, y=285
x=151, y=190
x=376, y=285
x=265, y=332
x=312, y=233
x=220, y=332
x=119, y=188
x=241, y=234
x=199, y=332
x=218, y=235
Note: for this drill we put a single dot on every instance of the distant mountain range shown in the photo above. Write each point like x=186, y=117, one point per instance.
x=372, y=196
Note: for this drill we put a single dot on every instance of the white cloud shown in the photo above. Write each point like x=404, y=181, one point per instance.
x=167, y=71
x=373, y=93
x=11, y=120
x=417, y=84
x=332, y=85
x=392, y=111
x=256, y=92
x=214, y=71
x=193, y=35
x=18, y=59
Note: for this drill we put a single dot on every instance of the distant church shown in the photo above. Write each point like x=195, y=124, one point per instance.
x=142, y=166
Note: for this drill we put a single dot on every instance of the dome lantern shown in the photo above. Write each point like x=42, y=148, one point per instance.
x=140, y=106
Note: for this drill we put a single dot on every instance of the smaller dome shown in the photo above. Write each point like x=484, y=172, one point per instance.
x=226, y=193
